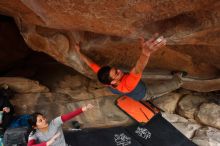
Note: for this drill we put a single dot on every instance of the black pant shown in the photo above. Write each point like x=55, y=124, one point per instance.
x=6, y=121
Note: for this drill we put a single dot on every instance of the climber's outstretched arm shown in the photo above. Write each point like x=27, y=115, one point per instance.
x=147, y=48
x=87, y=60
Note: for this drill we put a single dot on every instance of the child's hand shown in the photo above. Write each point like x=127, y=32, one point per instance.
x=6, y=109
x=87, y=107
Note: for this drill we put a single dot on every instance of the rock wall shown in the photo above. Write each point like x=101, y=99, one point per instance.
x=109, y=32
x=195, y=114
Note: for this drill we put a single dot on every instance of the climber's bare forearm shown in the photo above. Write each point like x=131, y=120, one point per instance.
x=83, y=57
x=148, y=47
x=86, y=59
x=141, y=64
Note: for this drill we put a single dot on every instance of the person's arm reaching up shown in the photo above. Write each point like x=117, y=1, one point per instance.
x=87, y=60
x=70, y=115
x=147, y=47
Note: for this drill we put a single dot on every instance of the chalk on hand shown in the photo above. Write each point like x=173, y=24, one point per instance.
x=159, y=39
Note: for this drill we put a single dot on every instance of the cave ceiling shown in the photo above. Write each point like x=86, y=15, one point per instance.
x=109, y=30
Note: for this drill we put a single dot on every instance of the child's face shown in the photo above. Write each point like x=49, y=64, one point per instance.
x=41, y=122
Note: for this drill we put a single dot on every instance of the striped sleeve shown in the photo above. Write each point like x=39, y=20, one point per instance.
x=70, y=115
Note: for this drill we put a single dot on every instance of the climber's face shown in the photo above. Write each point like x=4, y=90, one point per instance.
x=116, y=75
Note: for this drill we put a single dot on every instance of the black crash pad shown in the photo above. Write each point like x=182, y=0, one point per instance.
x=157, y=132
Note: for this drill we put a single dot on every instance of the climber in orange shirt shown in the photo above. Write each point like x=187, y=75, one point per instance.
x=130, y=84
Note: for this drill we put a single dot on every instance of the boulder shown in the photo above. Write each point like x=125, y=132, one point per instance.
x=189, y=104
x=207, y=136
x=185, y=126
x=209, y=114
x=168, y=102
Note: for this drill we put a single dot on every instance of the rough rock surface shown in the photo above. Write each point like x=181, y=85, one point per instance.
x=209, y=114
x=189, y=104
x=207, y=136
x=104, y=114
x=81, y=88
x=109, y=32
x=187, y=127
x=23, y=85
x=168, y=102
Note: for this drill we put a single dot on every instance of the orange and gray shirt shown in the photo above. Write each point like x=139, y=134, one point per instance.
x=130, y=85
